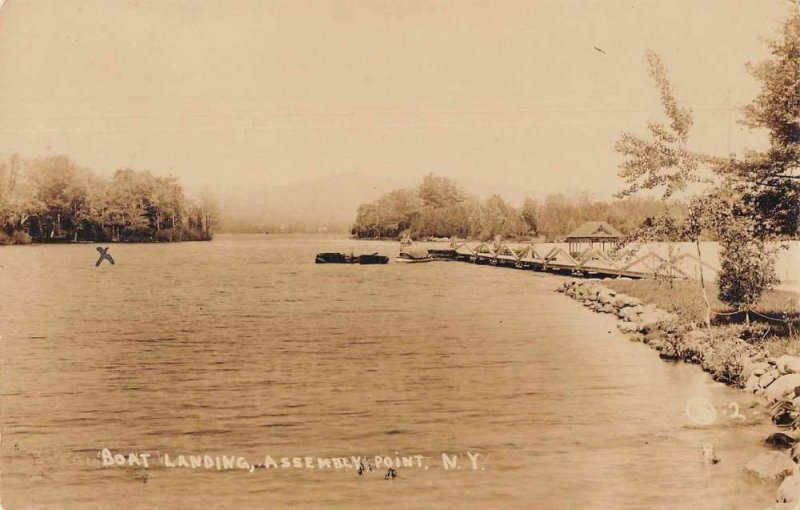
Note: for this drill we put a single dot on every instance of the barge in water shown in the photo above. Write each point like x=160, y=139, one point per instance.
x=343, y=258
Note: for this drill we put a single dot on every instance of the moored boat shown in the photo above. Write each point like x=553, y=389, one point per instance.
x=408, y=258
x=373, y=258
x=443, y=254
x=343, y=258
x=333, y=258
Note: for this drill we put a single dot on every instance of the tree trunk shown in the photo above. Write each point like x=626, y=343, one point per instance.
x=670, y=250
x=703, y=283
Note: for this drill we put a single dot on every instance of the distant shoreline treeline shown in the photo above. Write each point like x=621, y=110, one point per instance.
x=439, y=208
x=54, y=200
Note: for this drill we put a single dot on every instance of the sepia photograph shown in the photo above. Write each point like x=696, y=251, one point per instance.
x=417, y=254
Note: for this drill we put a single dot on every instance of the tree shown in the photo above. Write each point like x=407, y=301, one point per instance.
x=437, y=207
x=500, y=219
x=399, y=209
x=367, y=224
x=758, y=199
x=60, y=194
x=436, y=191
x=53, y=199
x=131, y=199
x=17, y=196
x=661, y=228
x=662, y=161
x=208, y=212
x=557, y=216
x=529, y=215
x=747, y=265
x=769, y=180
x=168, y=205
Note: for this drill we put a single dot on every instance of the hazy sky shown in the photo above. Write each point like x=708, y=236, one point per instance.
x=239, y=95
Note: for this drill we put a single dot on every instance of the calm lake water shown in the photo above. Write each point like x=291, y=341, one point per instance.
x=244, y=347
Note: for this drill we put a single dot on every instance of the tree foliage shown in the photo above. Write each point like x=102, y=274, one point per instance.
x=661, y=160
x=449, y=212
x=768, y=180
x=758, y=198
x=746, y=258
x=53, y=199
x=755, y=197
x=747, y=262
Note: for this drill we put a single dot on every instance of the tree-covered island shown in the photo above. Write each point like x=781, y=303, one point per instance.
x=54, y=200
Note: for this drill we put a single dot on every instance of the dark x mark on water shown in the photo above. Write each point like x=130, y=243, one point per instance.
x=103, y=256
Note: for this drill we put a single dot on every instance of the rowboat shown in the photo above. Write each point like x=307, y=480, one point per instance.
x=411, y=258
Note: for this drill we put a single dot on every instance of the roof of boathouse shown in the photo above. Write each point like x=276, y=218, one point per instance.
x=595, y=230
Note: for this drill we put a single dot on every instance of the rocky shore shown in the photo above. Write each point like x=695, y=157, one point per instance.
x=731, y=354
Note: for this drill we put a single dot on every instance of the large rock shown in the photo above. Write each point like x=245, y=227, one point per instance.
x=783, y=415
x=781, y=440
x=789, y=491
x=770, y=465
x=607, y=308
x=630, y=313
x=628, y=327
x=757, y=368
x=751, y=385
x=788, y=364
x=765, y=380
x=783, y=388
x=650, y=319
x=605, y=296
x=622, y=301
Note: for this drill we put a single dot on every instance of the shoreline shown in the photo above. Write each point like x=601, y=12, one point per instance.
x=33, y=243
x=729, y=359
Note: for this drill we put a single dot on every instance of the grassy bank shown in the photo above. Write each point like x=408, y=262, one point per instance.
x=759, y=357
x=780, y=333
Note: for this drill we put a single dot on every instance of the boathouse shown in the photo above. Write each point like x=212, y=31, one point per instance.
x=593, y=234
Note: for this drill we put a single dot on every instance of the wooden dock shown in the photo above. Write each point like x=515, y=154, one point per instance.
x=591, y=263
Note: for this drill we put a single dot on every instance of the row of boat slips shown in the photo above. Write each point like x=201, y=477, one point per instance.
x=633, y=262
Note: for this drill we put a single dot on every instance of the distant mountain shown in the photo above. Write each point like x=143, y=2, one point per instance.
x=327, y=203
